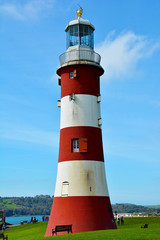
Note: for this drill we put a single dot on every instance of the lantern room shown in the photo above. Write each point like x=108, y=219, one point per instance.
x=79, y=42
x=80, y=32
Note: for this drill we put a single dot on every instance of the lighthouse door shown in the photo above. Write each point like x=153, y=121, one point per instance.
x=65, y=188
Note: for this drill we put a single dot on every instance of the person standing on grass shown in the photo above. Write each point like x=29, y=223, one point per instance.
x=118, y=219
x=122, y=220
x=3, y=227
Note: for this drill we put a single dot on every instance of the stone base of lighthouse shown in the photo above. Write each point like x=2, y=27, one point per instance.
x=87, y=213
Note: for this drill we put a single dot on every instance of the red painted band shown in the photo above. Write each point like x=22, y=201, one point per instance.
x=94, y=144
x=86, y=81
x=83, y=213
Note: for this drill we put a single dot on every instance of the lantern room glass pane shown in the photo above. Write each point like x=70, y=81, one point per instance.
x=80, y=35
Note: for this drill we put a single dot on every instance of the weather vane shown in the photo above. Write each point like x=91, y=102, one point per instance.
x=80, y=11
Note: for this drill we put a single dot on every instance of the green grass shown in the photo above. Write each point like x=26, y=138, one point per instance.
x=131, y=230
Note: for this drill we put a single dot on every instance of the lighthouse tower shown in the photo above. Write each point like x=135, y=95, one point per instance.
x=81, y=196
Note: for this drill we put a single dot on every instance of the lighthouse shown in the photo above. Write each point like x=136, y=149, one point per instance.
x=81, y=196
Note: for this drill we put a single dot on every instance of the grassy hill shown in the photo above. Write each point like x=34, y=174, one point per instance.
x=16, y=206
x=131, y=230
x=153, y=206
x=8, y=203
x=132, y=208
x=41, y=205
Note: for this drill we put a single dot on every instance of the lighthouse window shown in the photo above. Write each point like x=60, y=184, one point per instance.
x=71, y=75
x=75, y=145
x=65, y=188
x=80, y=145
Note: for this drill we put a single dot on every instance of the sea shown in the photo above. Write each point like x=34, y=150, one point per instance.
x=18, y=220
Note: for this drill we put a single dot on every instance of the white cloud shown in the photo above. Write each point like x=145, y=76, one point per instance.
x=32, y=9
x=120, y=54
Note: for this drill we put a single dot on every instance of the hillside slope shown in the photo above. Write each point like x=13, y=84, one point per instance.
x=41, y=205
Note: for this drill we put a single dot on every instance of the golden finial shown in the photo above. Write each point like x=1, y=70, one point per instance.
x=80, y=11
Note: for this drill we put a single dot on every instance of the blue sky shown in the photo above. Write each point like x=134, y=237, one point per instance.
x=128, y=38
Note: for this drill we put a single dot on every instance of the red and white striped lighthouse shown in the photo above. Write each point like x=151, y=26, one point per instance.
x=81, y=196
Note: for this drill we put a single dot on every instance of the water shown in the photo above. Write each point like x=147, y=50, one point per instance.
x=18, y=220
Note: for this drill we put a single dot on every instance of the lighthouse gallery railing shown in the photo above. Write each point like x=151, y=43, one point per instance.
x=74, y=55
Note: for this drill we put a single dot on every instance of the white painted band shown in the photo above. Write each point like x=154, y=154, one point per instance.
x=81, y=178
x=83, y=110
